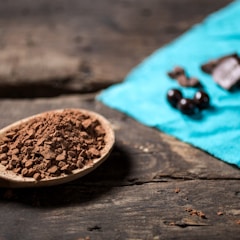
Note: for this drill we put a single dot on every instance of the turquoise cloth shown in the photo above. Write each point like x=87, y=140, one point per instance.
x=142, y=95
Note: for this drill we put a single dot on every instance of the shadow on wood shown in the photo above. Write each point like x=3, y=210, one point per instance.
x=110, y=174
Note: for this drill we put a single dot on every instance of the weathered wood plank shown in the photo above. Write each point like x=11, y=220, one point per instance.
x=85, y=45
x=48, y=48
x=146, y=211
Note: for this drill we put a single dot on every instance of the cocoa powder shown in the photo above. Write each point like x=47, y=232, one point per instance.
x=52, y=144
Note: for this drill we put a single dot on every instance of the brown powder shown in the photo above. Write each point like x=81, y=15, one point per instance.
x=195, y=212
x=220, y=213
x=52, y=144
x=177, y=190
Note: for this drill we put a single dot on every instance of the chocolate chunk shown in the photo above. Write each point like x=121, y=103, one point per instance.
x=212, y=64
x=227, y=73
x=177, y=71
x=194, y=82
x=179, y=74
x=208, y=67
x=183, y=80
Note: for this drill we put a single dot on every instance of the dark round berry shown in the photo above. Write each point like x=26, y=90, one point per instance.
x=174, y=96
x=201, y=99
x=187, y=106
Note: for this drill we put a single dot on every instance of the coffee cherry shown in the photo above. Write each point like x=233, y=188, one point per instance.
x=174, y=96
x=201, y=99
x=187, y=106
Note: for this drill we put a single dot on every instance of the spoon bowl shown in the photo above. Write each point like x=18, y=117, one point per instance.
x=10, y=179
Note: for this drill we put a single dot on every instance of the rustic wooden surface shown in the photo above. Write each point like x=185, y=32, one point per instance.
x=57, y=54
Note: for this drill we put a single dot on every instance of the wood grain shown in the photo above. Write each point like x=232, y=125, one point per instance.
x=133, y=194
x=145, y=211
x=84, y=46
x=59, y=54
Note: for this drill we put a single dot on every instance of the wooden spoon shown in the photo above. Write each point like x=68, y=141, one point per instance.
x=10, y=179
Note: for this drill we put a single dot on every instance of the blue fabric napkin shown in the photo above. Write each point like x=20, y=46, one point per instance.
x=143, y=93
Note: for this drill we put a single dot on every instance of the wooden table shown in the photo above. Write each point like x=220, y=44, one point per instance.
x=59, y=54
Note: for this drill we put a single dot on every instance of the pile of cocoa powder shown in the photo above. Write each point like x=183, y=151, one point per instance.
x=52, y=144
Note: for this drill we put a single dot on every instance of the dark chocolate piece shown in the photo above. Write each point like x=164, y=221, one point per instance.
x=209, y=66
x=177, y=71
x=179, y=74
x=227, y=73
x=183, y=80
x=193, y=82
